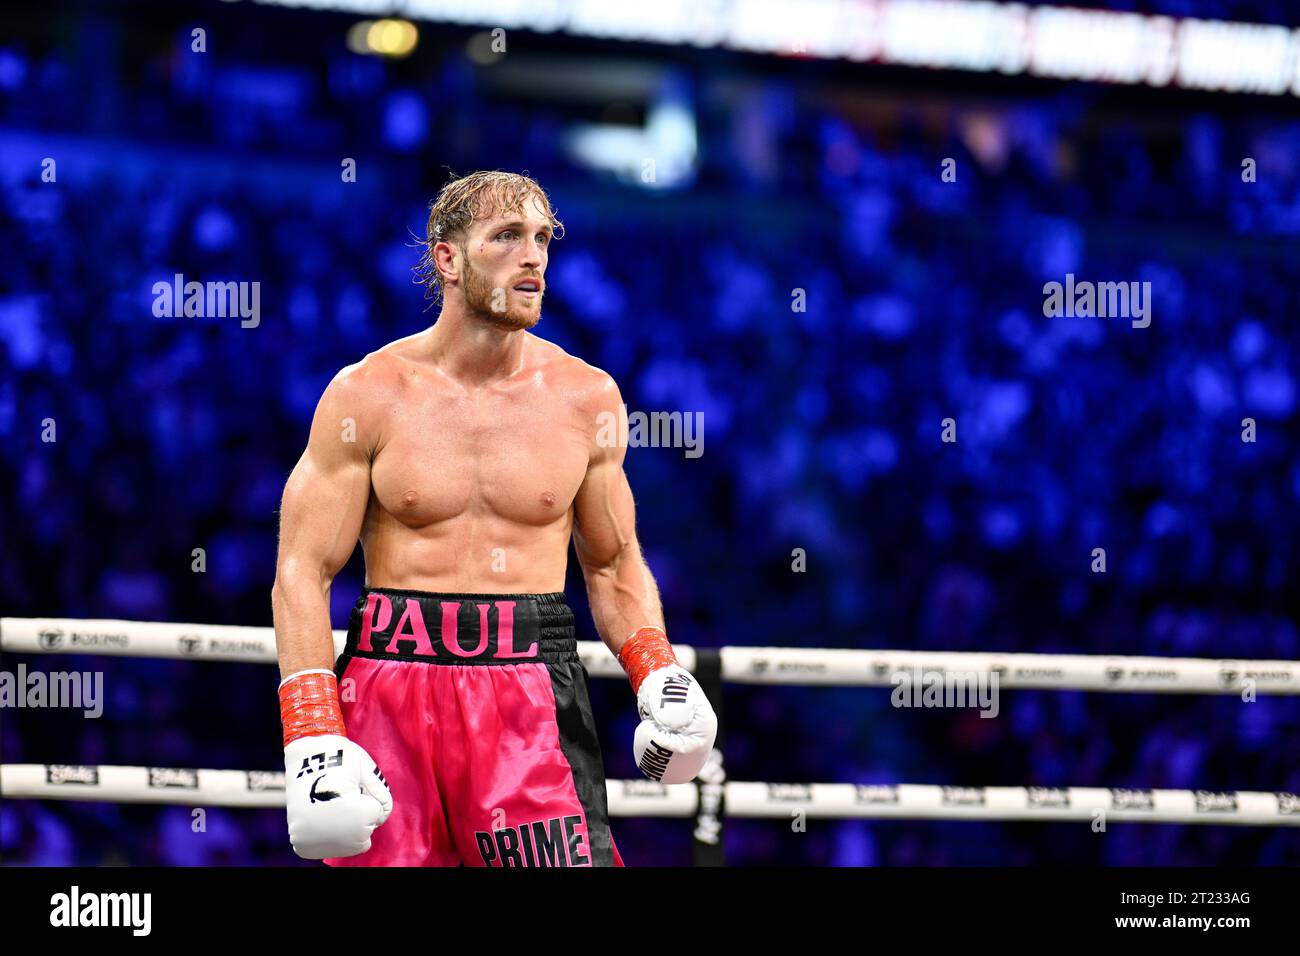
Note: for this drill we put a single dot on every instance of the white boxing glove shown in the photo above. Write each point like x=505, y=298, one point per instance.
x=335, y=796
x=678, y=725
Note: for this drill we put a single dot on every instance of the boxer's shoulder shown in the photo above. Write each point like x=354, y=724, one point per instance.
x=381, y=373
x=364, y=392
x=588, y=387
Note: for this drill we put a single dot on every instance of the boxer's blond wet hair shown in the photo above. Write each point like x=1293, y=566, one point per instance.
x=464, y=201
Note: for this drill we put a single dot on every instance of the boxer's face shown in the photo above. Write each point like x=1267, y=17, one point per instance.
x=504, y=264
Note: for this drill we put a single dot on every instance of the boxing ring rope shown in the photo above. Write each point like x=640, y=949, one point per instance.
x=712, y=796
x=743, y=665
x=638, y=798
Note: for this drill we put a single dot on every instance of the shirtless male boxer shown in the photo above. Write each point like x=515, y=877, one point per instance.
x=455, y=728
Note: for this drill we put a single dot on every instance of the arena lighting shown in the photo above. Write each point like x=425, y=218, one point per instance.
x=391, y=38
x=987, y=37
x=1117, y=48
x=667, y=141
x=1246, y=58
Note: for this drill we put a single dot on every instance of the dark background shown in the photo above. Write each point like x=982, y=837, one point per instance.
x=822, y=428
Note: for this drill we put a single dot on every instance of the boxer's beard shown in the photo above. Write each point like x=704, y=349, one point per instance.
x=480, y=297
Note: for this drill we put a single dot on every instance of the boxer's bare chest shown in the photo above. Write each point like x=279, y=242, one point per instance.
x=516, y=452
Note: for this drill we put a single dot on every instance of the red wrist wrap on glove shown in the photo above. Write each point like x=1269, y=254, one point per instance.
x=645, y=651
x=309, y=706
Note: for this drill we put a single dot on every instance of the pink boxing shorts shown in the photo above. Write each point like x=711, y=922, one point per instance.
x=475, y=709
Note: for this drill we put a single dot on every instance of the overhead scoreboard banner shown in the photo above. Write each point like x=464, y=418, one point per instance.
x=1009, y=38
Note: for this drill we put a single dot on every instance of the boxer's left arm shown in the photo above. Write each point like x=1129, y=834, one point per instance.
x=620, y=589
x=678, y=726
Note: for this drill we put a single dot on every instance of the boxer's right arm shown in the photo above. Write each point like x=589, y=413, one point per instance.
x=321, y=515
x=335, y=795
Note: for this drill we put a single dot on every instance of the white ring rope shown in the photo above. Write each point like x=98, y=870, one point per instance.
x=758, y=665
x=633, y=798
x=746, y=665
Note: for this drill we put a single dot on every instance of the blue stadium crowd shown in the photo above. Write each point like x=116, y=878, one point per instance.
x=819, y=293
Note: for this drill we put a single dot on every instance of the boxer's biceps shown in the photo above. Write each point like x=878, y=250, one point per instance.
x=605, y=516
x=321, y=514
x=325, y=498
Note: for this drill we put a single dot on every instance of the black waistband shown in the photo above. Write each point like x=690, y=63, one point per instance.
x=437, y=628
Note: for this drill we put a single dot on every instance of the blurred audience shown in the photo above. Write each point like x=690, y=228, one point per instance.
x=826, y=302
